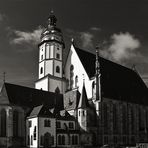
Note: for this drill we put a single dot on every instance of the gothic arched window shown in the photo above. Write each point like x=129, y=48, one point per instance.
x=47, y=140
x=115, y=117
x=57, y=69
x=41, y=70
x=105, y=117
x=76, y=81
x=3, y=123
x=132, y=120
x=57, y=90
x=93, y=84
x=34, y=133
x=141, y=119
x=15, y=123
x=93, y=91
x=73, y=140
x=76, y=139
x=124, y=119
x=63, y=140
x=59, y=140
x=31, y=140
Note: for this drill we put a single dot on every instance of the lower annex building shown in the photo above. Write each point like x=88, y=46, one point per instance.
x=87, y=101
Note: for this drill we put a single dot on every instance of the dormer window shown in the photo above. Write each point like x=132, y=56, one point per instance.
x=58, y=124
x=71, y=125
x=47, y=123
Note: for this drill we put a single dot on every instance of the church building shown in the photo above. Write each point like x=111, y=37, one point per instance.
x=86, y=101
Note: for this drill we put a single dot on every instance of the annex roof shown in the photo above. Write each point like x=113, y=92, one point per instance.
x=41, y=111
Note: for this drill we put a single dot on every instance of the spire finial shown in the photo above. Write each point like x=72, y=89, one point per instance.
x=51, y=12
x=52, y=19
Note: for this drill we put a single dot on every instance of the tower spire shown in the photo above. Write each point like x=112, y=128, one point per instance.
x=52, y=19
x=98, y=75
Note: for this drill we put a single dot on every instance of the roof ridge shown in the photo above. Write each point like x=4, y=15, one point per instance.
x=125, y=67
x=39, y=90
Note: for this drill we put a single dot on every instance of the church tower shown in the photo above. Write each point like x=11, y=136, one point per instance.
x=83, y=109
x=50, y=74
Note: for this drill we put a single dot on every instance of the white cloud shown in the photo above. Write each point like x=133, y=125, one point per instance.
x=95, y=29
x=123, y=46
x=22, y=37
x=86, y=39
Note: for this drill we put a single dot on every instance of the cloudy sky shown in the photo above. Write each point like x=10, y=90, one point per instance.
x=120, y=26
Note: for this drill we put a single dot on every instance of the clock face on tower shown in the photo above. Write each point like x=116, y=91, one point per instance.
x=70, y=101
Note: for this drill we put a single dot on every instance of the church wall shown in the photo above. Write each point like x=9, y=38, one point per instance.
x=79, y=71
x=21, y=120
x=123, y=123
x=34, y=124
x=4, y=140
x=42, y=84
x=49, y=67
x=43, y=130
x=53, y=84
x=9, y=139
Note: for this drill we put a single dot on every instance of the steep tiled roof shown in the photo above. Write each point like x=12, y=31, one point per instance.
x=64, y=115
x=36, y=110
x=30, y=97
x=117, y=82
x=42, y=111
x=46, y=111
x=83, y=103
